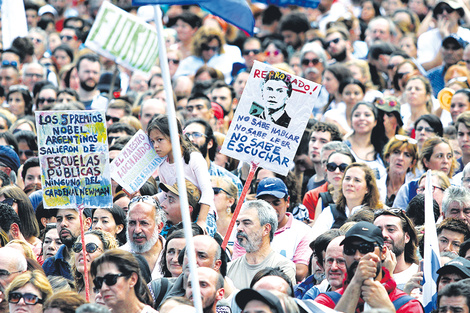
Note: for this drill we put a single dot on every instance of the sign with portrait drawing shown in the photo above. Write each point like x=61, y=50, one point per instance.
x=270, y=119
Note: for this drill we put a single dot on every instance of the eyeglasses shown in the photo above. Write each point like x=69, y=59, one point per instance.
x=36, y=40
x=147, y=199
x=466, y=180
x=217, y=190
x=174, y=61
x=452, y=47
x=335, y=41
x=67, y=37
x=10, y=202
x=254, y=51
x=307, y=62
x=426, y=129
x=48, y=100
x=29, y=298
x=195, y=135
x=7, y=63
x=31, y=75
x=5, y=274
x=331, y=167
x=27, y=153
x=421, y=189
x=90, y=247
x=407, y=139
x=457, y=79
x=443, y=8
x=340, y=262
x=109, y=279
x=391, y=66
x=273, y=53
x=364, y=248
x=207, y=47
x=113, y=118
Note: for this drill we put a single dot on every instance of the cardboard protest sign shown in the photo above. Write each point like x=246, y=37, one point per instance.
x=124, y=38
x=73, y=154
x=270, y=119
x=136, y=163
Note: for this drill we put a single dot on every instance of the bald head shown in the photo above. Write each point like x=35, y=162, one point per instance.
x=272, y=283
x=149, y=108
x=14, y=262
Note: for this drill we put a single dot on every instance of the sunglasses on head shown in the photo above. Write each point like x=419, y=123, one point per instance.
x=247, y=52
x=364, y=248
x=29, y=298
x=113, y=118
x=109, y=279
x=146, y=199
x=307, y=62
x=331, y=167
x=90, y=247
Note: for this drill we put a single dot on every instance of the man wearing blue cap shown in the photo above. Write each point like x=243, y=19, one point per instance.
x=9, y=162
x=292, y=237
x=368, y=285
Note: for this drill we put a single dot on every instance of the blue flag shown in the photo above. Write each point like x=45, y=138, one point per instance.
x=283, y=3
x=236, y=12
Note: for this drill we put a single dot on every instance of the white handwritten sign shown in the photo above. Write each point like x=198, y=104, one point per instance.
x=122, y=37
x=136, y=163
x=270, y=119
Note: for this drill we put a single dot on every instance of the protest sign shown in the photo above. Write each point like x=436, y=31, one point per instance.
x=73, y=154
x=270, y=119
x=136, y=163
x=124, y=38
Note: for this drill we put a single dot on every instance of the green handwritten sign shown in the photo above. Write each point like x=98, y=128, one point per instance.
x=124, y=38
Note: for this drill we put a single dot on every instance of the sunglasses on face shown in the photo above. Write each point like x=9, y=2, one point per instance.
x=273, y=53
x=6, y=274
x=217, y=190
x=401, y=75
x=331, y=167
x=67, y=37
x=364, y=248
x=207, y=47
x=29, y=298
x=306, y=62
x=109, y=279
x=113, y=118
x=335, y=41
x=12, y=63
x=443, y=8
x=254, y=51
x=90, y=247
x=426, y=129
x=48, y=100
x=174, y=61
x=27, y=153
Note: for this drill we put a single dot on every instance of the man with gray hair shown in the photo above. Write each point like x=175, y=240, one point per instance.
x=12, y=264
x=33, y=73
x=380, y=29
x=256, y=225
x=456, y=204
x=144, y=224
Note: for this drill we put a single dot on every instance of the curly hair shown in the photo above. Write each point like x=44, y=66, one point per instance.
x=328, y=127
x=402, y=144
x=35, y=278
x=203, y=36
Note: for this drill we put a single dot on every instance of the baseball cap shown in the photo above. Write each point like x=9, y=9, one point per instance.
x=365, y=231
x=454, y=4
x=454, y=38
x=47, y=9
x=272, y=186
x=9, y=158
x=246, y=295
x=194, y=195
x=460, y=264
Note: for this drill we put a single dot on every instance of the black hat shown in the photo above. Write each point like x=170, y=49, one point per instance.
x=365, y=231
x=105, y=82
x=246, y=295
x=9, y=158
x=458, y=264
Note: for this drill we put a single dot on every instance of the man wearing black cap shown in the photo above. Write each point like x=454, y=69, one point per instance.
x=447, y=13
x=452, y=53
x=453, y=271
x=251, y=301
x=9, y=162
x=368, y=284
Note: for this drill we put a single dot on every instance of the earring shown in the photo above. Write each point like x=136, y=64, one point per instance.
x=228, y=210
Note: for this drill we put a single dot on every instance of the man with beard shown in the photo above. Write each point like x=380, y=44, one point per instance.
x=368, y=285
x=338, y=45
x=293, y=27
x=68, y=227
x=211, y=285
x=144, y=224
x=456, y=204
x=88, y=70
x=200, y=133
x=256, y=225
x=335, y=270
x=401, y=240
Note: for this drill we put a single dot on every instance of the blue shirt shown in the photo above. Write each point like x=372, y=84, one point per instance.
x=57, y=265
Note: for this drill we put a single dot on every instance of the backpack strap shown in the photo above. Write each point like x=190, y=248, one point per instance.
x=326, y=199
x=339, y=217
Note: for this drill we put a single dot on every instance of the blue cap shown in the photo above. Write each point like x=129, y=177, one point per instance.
x=272, y=186
x=456, y=39
x=9, y=158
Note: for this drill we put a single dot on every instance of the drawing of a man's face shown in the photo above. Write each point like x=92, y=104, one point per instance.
x=275, y=94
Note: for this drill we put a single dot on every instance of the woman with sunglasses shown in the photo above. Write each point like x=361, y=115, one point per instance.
x=275, y=51
x=117, y=277
x=19, y=100
x=389, y=115
x=437, y=155
x=27, y=145
x=401, y=153
x=28, y=292
x=96, y=243
x=225, y=198
x=358, y=191
x=400, y=77
x=46, y=97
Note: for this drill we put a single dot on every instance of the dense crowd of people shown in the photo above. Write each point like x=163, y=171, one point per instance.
x=344, y=230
